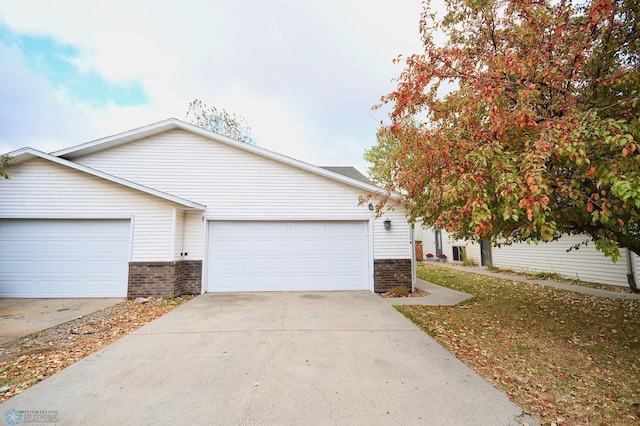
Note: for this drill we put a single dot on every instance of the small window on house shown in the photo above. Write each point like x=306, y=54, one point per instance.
x=459, y=253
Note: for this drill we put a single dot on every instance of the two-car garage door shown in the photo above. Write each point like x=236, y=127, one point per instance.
x=64, y=258
x=288, y=255
x=89, y=258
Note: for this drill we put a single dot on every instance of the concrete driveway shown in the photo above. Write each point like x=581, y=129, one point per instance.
x=345, y=358
x=21, y=317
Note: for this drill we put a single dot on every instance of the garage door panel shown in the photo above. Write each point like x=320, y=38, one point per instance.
x=307, y=228
x=264, y=228
x=310, y=246
x=64, y=258
x=15, y=227
x=343, y=280
x=360, y=228
x=347, y=262
x=311, y=266
x=16, y=266
x=56, y=266
x=284, y=256
x=256, y=265
x=266, y=247
x=307, y=255
x=350, y=246
x=106, y=227
x=235, y=264
x=64, y=227
x=57, y=289
x=11, y=248
x=60, y=248
x=104, y=247
x=235, y=245
x=13, y=287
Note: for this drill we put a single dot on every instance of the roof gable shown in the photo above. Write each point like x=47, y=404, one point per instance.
x=172, y=123
x=26, y=154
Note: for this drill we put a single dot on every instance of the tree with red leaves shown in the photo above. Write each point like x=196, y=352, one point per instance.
x=522, y=125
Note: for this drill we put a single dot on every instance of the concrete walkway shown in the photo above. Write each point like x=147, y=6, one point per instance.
x=547, y=283
x=299, y=358
x=438, y=296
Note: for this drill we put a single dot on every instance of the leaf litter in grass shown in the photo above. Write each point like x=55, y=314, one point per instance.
x=566, y=358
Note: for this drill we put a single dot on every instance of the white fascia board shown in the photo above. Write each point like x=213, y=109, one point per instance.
x=118, y=139
x=173, y=123
x=24, y=154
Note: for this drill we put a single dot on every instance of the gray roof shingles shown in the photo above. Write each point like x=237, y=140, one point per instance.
x=348, y=171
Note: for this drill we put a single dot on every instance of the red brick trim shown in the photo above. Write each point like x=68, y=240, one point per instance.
x=390, y=273
x=160, y=279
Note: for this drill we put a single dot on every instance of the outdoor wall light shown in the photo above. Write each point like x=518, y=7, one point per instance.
x=370, y=206
x=387, y=224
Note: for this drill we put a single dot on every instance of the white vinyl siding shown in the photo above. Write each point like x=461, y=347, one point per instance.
x=232, y=183
x=41, y=189
x=472, y=250
x=394, y=243
x=586, y=264
x=238, y=185
x=193, y=243
x=178, y=232
x=288, y=256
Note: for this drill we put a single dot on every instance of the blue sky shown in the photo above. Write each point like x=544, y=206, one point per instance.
x=55, y=62
x=304, y=74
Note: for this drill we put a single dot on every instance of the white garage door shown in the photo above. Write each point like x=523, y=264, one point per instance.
x=64, y=258
x=286, y=256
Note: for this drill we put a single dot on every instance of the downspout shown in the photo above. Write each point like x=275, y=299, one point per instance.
x=631, y=271
x=372, y=262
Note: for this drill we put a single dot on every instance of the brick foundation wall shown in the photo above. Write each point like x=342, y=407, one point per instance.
x=189, y=276
x=390, y=273
x=159, y=279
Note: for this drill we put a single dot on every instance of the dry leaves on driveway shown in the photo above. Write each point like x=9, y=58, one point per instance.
x=403, y=292
x=33, y=358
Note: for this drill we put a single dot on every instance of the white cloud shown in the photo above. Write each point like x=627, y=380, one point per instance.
x=32, y=111
x=304, y=73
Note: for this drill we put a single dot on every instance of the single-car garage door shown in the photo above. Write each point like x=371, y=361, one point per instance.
x=64, y=258
x=288, y=256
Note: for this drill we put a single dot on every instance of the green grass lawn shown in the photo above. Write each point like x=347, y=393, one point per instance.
x=566, y=358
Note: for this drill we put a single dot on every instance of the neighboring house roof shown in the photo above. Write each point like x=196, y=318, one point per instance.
x=25, y=154
x=173, y=123
x=348, y=171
